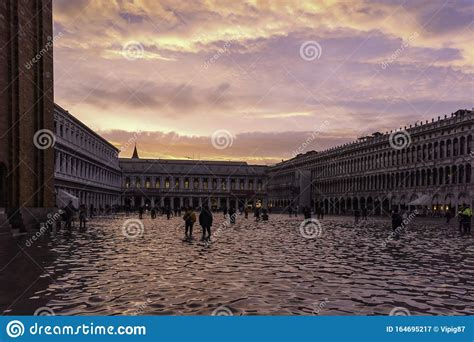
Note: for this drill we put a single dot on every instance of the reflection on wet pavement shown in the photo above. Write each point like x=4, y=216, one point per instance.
x=264, y=268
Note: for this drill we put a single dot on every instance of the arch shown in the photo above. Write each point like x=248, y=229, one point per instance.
x=355, y=204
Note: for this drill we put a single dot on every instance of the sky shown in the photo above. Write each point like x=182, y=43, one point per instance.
x=258, y=81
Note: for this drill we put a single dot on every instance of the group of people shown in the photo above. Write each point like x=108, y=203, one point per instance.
x=205, y=221
x=360, y=214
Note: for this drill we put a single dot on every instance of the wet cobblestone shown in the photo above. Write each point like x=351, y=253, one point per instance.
x=251, y=268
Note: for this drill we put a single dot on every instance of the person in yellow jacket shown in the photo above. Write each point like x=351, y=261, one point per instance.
x=189, y=218
x=467, y=217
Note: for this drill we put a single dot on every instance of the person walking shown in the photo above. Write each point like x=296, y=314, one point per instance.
x=306, y=213
x=168, y=212
x=356, y=216
x=69, y=213
x=91, y=211
x=205, y=220
x=467, y=214
x=232, y=214
x=82, y=216
x=189, y=218
x=297, y=208
x=397, y=222
x=140, y=212
x=449, y=216
x=257, y=214
x=246, y=212
x=153, y=213
x=224, y=210
x=264, y=215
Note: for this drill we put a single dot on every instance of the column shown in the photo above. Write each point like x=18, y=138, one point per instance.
x=227, y=202
x=57, y=164
x=181, y=198
x=200, y=202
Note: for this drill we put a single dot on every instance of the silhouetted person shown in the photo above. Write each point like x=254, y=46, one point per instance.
x=356, y=216
x=246, y=212
x=82, y=216
x=257, y=214
x=168, y=212
x=290, y=211
x=224, y=211
x=397, y=222
x=264, y=215
x=205, y=220
x=153, y=213
x=466, y=217
x=69, y=213
x=448, y=216
x=296, y=211
x=307, y=213
x=364, y=214
x=189, y=218
x=232, y=214
x=91, y=211
x=140, y=212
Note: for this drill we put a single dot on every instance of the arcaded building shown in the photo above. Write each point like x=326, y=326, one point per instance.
x=178, y=183
x=427, y=165
x=86, y=165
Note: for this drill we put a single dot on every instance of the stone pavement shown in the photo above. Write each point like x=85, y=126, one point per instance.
x=120, y=267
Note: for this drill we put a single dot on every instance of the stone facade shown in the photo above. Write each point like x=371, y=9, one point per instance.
x=26, y=103
x=86, y=165
x=431, y=167
x=178, y=183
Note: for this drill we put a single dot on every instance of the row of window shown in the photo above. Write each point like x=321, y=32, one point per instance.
x=186, y=183
x=456, y=174
x=82, y=139
x=412, y=154
x=76, y=167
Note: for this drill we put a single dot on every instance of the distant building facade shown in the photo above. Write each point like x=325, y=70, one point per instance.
x=431, y=167
x=179, y=183
x=86, y=165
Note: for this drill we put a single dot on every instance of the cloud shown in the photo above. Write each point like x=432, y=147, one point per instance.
x=210, y=65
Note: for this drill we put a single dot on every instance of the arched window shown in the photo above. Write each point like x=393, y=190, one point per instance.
x=455, y=147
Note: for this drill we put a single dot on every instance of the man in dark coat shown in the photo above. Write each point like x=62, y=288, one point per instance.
x=205, y=220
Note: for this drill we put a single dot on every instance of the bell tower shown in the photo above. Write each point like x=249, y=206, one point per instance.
x=26, y=118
